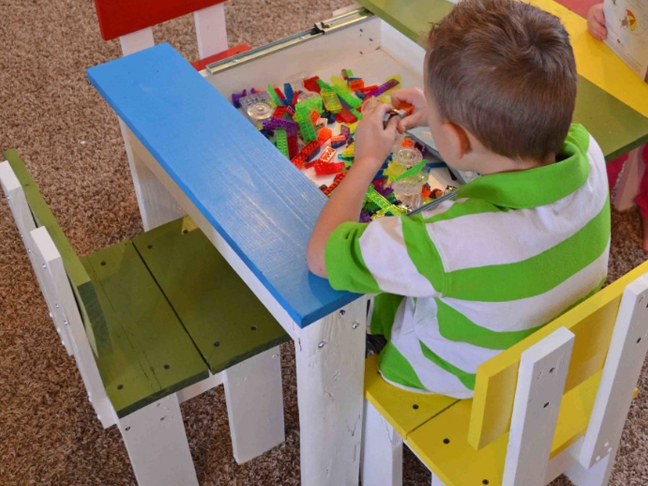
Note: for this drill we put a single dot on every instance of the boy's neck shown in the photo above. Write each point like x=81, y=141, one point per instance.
x=491, y=163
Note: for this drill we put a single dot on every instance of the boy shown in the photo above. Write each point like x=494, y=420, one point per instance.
x=517, y=246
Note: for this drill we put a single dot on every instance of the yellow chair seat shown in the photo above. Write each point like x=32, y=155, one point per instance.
x=441, y=443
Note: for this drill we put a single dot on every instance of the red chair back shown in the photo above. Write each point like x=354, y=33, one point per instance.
x=121, y=17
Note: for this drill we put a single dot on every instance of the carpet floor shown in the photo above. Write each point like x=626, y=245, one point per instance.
x=71, y=143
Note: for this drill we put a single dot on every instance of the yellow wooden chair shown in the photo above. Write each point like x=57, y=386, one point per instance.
x=554, y=403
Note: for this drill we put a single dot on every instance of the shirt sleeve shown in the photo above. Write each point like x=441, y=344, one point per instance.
x=391, y=254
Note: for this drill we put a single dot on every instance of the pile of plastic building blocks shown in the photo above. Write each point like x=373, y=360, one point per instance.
x=313, y=125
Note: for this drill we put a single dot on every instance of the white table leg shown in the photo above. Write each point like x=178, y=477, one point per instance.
x=382, y=451
x=330, y=377
x=255, y=405
x=156, y=204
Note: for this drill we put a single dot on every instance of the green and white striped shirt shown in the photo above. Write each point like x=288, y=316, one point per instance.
x=462, y=282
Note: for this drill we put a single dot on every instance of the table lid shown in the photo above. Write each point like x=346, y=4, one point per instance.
x=254, y=197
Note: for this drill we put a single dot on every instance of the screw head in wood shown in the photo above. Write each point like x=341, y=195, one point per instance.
x=355, y=325
x=342, y=312
x=321, y=344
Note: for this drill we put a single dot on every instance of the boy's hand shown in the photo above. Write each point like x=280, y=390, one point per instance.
x=416, y=98
x=596, y=22
x=373, y=143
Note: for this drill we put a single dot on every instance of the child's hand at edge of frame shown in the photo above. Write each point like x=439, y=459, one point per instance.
x=373, y=142
x=416, y=98
x=596, y=22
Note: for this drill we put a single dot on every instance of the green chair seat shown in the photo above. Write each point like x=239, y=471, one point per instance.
x=161, y=310
x=222, y=315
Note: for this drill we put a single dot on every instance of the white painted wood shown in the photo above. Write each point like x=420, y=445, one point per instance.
x=211, y=30
x=382, y=450
x=597, y=475
x=201, y=387
x=403, y=51
x=45, y=249
x=330, y=373
x=25, y=223
x=436, y=481
x=157, y=445
x=629, y=181
x=137, y=41
x=541, y=382
x=625, y=358
x=563, y=461
x=254, y=400
x=252, y=281
x=157, y=206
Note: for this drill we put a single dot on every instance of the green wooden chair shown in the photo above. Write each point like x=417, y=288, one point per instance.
x=152, y=322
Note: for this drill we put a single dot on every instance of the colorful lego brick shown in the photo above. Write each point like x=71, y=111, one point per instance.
x=349, y=152
x=279, y=112
x=309, y=149
x=345, y=116
x=279, y=93
x=309, y=105
x=275, y=123
x=324, y=134
x=426, y=191
x=356, y=84
x=356, y=113
x=331, y=118
x=406, y=107
x=383, y=88
x=331, y=100
x=360, y=94
x=311, y=84
x=346, y=131
x=322, y=169
x=288, y=91
x=236, y=98
x=369, y=89
x=338, y=141
x=295, y=98
x=290, y=110
x=293, y=145
x=306, y=126
x=335, y=183
x=314, y=116
x=347, y=73
x=327, y=155
x=281, y=139
x=273, y=95
x=347, y=97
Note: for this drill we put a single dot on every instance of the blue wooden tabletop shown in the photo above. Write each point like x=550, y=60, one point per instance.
x=255, y=198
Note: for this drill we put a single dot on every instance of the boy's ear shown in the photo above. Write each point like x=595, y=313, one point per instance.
x=458, y=139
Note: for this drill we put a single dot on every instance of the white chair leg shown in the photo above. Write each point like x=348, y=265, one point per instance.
x=628, y=186
x=211, y=32
x=597, y=475
x=137, y=41
x=157, y=445
x=436, y=481
x=255, y=405
x=382, y=451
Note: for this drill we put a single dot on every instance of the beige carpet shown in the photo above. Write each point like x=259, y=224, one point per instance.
x=71, y=143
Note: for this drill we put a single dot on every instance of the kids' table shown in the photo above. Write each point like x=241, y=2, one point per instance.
x=192, y=153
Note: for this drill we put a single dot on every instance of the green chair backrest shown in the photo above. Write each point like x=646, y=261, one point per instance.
x=83, y=287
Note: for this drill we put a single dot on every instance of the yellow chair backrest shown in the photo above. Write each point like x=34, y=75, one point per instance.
x=592, y=323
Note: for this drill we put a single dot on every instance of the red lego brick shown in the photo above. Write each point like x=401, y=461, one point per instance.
x=368, y=89
x=279, y=112
x=335, y=183
x=295, y=99
x=322, y=168
x=327, y=155
x=406, y=107
x=345, y=116
x=311, y=84
x=279, y=94
x=356, y=84
x=324, y=134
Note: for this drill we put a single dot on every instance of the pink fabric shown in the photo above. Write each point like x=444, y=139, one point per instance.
x=642, y=199
x=614, y=169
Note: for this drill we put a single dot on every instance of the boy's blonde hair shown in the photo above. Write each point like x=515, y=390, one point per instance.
x=505, y=71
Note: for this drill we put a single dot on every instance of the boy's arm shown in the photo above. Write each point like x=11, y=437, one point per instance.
x=373, y=143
